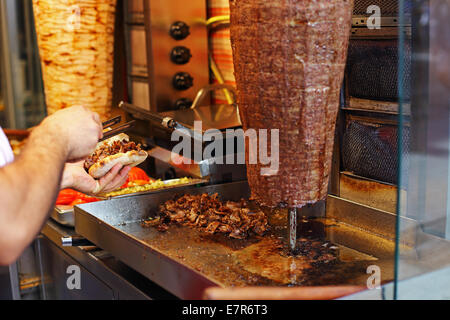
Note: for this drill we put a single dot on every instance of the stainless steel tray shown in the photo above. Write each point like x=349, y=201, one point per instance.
x=64, y=215
x=114, y=226
x=169, y=186
x=185, y=263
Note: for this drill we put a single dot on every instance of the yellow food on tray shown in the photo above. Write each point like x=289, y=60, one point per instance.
x=158, y=184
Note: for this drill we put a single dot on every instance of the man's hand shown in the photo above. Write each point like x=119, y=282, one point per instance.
x=77, y=129
x=29, y=185
x=75, y=177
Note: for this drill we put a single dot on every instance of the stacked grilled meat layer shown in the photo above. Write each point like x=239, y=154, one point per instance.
x=289, y=59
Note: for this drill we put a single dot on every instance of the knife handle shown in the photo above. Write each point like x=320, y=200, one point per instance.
x=75, y=241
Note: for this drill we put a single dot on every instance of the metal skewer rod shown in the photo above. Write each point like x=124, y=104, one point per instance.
x=118, y=130
x=292, y=229
x=112, y=122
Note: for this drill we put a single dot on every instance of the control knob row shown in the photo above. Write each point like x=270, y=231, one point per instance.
x=180, y=55
x=182, y=81
x=179, y=30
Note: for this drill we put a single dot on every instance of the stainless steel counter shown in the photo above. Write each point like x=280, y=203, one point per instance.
x=102, y=276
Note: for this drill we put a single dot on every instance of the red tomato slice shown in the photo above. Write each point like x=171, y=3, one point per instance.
x=77, y=201
x=72, y=197
x=137, y=174
x=66, y=196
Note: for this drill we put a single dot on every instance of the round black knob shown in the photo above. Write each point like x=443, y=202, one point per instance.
x=182, y=81
x=183, y=103
x=180, y=55
x=179, y=30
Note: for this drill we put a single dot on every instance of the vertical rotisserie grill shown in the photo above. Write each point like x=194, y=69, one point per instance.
x=289, y=59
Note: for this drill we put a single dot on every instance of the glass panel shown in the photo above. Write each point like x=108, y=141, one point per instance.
x=22, y=92
x=423, y=226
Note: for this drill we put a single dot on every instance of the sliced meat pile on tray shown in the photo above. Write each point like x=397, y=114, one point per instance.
x=106, y=150
x=289, y=59
x=212, y=216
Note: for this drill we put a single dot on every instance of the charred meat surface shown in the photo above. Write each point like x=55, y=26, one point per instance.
x=211, y=216
x=289, y=59
x=108, y=150
x=316, y=250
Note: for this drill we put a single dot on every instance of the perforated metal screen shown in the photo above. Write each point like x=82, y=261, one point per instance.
x=371, y=151
x=372, y=70
x=388, y=7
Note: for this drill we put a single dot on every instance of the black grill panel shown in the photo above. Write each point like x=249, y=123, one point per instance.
x=388, y=8
x=371, y=150
x=372, y=70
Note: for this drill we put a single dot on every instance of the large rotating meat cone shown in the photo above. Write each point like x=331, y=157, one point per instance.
x=289, y=58
x=76, y=46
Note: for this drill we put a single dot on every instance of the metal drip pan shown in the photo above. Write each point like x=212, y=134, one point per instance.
x=185, y=262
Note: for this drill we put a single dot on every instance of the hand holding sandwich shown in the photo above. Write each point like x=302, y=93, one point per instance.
x=81, y=139
x=76, y=177
x=75, y=130
x=29, y=185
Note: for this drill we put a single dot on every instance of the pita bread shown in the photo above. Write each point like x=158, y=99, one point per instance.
x=130, y=158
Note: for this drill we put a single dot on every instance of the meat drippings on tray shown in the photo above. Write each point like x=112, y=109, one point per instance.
x=211, y=216
x=270, y=259
x=106, y=150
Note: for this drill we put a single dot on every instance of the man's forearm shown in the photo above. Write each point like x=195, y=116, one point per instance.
x=28, y=188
